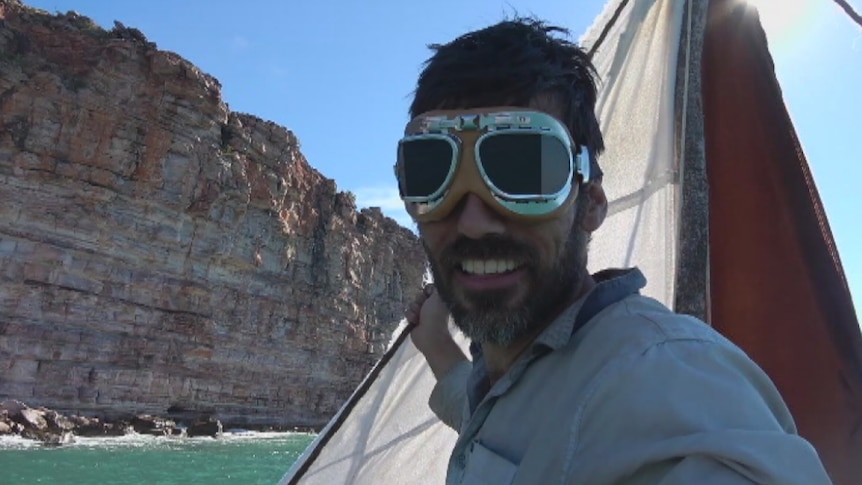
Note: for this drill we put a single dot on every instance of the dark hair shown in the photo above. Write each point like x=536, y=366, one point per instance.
x=513, y=63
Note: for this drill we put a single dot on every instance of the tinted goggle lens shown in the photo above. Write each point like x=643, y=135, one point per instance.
x=525, y=164
x=424, y=165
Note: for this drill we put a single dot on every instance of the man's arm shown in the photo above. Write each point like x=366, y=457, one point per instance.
x=688, y=411
x=449, y=397
x=440, y=351
x=430, y=334
x=451, y=369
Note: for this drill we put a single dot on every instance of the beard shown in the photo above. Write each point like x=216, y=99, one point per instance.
x=492, y=316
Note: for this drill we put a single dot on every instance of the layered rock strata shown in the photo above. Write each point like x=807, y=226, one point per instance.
x=160, y=254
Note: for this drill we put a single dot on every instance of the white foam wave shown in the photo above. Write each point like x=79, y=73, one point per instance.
x=16, y=443
x=134, y=440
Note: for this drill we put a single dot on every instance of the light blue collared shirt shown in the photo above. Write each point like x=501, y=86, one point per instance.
x=631, y=394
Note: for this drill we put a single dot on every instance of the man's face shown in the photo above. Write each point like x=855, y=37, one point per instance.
x=502, y=279
x=507, y=283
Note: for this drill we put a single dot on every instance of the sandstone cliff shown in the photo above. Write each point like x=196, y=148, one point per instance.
x=158, y=252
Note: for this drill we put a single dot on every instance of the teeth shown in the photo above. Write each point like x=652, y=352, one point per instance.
x=489, y=266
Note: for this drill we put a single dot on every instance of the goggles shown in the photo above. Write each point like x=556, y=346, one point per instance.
x=521, y=163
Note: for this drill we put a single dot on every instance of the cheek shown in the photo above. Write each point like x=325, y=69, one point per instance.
x=555, y=235
x=433, y=237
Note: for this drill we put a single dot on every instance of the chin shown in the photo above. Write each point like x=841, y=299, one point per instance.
x=493, y=303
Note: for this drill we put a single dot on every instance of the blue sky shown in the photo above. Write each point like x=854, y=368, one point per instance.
x=340, y=73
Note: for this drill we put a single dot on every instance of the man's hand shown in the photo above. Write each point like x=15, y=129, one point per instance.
x=428, y=317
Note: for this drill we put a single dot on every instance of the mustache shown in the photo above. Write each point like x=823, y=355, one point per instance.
x=488, y=247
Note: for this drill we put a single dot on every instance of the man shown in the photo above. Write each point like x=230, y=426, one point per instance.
x=575, y=378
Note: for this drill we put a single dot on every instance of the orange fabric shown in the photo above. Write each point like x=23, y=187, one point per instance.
x=776, y=284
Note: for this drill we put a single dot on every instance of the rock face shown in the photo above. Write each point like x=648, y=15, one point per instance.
x=159, y=252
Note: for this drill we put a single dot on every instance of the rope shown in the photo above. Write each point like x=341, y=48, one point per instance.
x=607, y=28
x=849, y=11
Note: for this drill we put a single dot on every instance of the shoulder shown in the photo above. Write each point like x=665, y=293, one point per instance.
x=646, y=347
x=669, y=387
x=639, y=324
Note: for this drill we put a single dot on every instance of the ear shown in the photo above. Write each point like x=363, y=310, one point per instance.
x=598, y=206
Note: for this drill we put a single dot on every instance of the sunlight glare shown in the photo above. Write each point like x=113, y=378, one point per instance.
x=783, y=20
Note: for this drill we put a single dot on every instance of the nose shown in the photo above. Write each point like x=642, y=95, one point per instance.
x=476, y=219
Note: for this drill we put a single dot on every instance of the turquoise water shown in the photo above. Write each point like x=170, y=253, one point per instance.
x=253, y=458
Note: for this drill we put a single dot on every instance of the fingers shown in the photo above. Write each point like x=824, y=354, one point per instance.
x=413, y=310
x=412, y=313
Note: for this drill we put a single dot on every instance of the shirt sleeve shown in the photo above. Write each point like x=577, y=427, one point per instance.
x=688, y=411
x=449, y=397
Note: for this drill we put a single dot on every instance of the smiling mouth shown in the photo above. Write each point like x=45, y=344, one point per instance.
x=482, y=267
